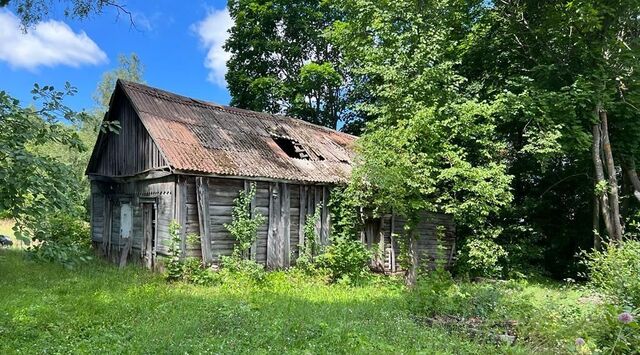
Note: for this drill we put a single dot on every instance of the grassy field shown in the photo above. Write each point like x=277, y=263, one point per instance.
x=97, y=308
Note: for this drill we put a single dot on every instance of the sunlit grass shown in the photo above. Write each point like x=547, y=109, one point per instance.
x=101, y=309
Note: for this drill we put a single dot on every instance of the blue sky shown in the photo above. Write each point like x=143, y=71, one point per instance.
x=179, y=43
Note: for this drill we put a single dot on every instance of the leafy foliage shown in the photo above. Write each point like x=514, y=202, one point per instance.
x=245, y=222
x=430, y=145
x=282, y=63
x=310, y=250
x=173, y=266
x=34, y=11
x=35, y=185
x=347, y=261
x=614, y=270
x=64, y=239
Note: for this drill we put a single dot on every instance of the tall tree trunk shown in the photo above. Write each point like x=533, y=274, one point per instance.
x=614, y=201
x=599, y=178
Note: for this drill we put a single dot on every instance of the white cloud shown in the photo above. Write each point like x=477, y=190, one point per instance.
x=48, y=43
x=213, y=32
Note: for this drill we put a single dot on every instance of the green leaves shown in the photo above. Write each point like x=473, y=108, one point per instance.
x=34, y=184
x=282, y=61
x=245, y=222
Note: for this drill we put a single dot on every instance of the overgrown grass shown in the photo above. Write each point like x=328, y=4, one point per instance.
x=98, y=308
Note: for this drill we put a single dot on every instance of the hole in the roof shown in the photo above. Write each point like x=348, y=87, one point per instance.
x=291, y=147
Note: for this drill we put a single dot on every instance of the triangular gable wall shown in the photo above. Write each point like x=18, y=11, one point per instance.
x=129, y=152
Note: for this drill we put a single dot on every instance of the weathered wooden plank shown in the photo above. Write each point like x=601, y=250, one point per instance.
x=106, y=237
x=180, y=212
x=285, y=226
x=125, y=252
x=254, y=245
x=325, y=224
x=302, y=216
x=273, y=237
x=202, y=196
x=317, y=203
x=394, y=247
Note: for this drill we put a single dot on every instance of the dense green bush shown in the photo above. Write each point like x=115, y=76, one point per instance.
x=63, y=239
x=345, y=260
x=481, y=257
x=616, y=272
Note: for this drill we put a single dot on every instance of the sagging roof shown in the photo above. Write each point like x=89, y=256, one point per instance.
x=201, y=137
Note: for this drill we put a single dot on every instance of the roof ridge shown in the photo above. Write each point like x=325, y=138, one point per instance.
x=229, y=109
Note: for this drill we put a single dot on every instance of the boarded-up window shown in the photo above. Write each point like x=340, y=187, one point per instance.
x=125, y=220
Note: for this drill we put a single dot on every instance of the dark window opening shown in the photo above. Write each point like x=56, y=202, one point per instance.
x=291, y=147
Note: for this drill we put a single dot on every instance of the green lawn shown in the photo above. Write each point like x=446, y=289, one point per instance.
x=97, y=308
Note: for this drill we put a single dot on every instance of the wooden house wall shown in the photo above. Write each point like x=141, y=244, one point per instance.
x=392, y=228
x=128, y=152
x=280, y=203
x=106, y=199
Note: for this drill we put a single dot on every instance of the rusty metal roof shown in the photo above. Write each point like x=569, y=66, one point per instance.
x=202, y=137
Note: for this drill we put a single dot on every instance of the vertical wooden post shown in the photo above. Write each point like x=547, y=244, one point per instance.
x=324, y=231
x=254, y=245
x=303, y=215
x=273, y=234
x=202, y=194
x=317, y=200
x=181, y=213
x=393, y=242
x=285, y=226
x=106, y=232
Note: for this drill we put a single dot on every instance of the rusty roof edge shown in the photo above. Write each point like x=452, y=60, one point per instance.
x=121, y=83
x=231, y=109
x=258, y=178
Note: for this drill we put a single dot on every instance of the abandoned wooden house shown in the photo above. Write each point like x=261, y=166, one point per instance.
x=182, y=159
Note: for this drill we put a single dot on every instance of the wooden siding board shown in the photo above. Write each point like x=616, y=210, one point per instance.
x=273, y=236
x=129, y=152
x=202, y=196
x=285, y=227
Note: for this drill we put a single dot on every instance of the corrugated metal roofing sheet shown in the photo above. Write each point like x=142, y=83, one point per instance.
x=200, y=137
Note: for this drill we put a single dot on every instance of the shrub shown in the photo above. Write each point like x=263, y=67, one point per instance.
x=244, y=227
x=173, y=267
x=615, y=270
x=244, y=267
x=63, y=239
x=481, y=257
x=345, y=260
x=619, y=332
x=435, y=293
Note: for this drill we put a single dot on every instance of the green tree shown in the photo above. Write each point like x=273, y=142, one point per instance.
x=34, y=185
x=282, y=63
x=129, y=68
x=431, y=146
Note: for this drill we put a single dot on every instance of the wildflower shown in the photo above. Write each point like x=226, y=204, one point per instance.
x=579, y=342
x=625, y=317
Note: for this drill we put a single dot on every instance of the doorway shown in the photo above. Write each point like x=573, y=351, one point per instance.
x=149, y=234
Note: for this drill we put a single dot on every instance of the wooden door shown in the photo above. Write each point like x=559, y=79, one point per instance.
x=148, y=232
